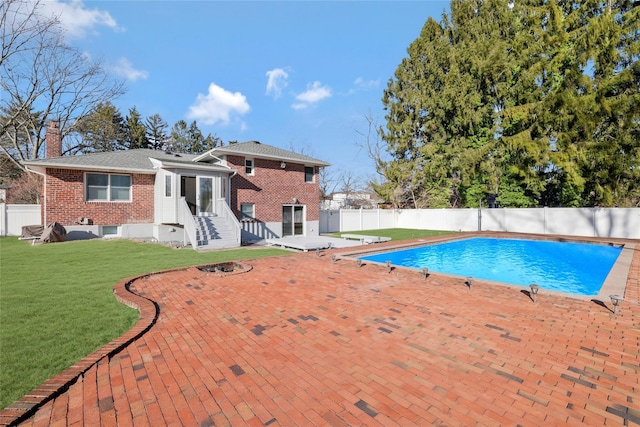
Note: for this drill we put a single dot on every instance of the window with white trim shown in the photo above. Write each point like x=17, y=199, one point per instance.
x=223, y=189
x=309, y=174
x=247, y=211
x=104, y=187
x=167, y=185
x=249, y=168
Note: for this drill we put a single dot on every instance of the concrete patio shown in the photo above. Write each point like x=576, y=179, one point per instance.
x=302, y=340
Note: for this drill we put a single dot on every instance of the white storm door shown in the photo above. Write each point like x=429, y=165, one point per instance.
x=204, y=196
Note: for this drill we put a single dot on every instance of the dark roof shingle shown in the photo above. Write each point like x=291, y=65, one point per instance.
x=257, y=149
x=131, y=160
x=139, y=160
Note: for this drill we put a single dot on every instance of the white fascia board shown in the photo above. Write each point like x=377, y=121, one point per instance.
x=191, y=166
x=43, y=166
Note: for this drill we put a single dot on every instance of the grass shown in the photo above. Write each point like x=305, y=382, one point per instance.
x=57, y=304
x=398, y=233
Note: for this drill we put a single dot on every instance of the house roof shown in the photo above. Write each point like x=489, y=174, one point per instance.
x=137, y=160
x=263, y=151
x=146, y=161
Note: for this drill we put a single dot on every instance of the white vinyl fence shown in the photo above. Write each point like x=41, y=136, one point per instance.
x=588, y=222
x=13, y=217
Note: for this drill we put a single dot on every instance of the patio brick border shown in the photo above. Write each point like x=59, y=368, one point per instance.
x=28, y=404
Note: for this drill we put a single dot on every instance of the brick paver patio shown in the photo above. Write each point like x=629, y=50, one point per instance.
x=301, y=340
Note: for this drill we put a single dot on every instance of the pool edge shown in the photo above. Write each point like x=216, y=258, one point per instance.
x=615, y=283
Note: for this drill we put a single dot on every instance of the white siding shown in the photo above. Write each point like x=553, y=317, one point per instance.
x=166, y=208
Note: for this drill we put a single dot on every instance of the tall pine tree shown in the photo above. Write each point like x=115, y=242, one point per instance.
x=103, y=129
x=157, y=136
x=189, y=139
x=534, y=100
x=136, y=132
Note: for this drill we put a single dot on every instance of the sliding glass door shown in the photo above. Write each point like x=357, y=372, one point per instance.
x=292, y=220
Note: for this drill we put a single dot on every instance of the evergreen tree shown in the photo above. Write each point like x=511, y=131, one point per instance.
x=210, y=142
x=586, y=113
x=189, y=139
x=180, y=138
x=156, y=132
x=103, y=129
x=136, y=132
x=535, y=101
x=418, y=174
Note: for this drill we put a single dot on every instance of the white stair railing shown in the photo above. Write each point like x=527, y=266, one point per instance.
x=223, y=210
x=189, y=224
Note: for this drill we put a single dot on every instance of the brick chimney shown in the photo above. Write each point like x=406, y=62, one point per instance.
x=53, y=141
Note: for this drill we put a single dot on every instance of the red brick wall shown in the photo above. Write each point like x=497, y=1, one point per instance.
x=65, y=201
x=53, y=141
x=271, y=187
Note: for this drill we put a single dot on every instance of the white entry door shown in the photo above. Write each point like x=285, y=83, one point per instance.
x=204, y=196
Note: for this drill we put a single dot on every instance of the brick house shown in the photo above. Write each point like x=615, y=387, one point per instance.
x=233, y=194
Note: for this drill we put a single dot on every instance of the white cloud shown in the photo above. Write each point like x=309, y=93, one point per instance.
x=360, y=84
x=364, y=84
x=315, y=93
x=277, y=80
x=125, y=69
x=76, y=19
x=217, y=106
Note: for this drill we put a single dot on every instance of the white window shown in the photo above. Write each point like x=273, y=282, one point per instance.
x=309, y=174
x=248, y=166
x=167, y=186
x=102, y=187
x=248, y=211
x=223, y=189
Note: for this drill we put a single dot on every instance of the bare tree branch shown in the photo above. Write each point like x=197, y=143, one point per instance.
x=373, y=143
x=44, y=79
x=327, y=182
x=19, y=24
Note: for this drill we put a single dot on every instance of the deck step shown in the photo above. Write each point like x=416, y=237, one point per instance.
x=214, y=232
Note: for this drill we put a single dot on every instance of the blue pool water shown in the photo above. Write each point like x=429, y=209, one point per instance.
x=576, y=268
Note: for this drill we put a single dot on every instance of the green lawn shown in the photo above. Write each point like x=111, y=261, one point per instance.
x=398, y=233
x=57, y=305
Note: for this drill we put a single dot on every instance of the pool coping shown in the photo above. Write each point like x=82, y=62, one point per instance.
x=614, y=284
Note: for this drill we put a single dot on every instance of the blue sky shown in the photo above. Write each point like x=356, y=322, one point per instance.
x=298, y=75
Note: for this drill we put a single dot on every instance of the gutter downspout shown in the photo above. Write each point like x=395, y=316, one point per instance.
x=43, y=203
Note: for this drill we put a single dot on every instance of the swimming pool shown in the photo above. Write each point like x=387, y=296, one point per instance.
x=576, y=268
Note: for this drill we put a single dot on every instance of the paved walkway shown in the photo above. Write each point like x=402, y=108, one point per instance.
x=301, y=340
